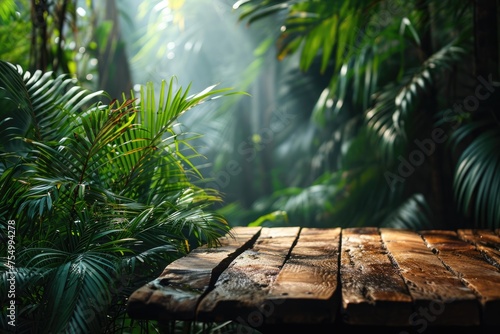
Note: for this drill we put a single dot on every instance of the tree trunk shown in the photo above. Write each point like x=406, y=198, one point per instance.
x=436, y=198
x=114, y=69
x=39, y=38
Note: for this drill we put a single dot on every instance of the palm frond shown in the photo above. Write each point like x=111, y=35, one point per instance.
x=54, y=103
x=254, y=11
x=86, y=276
x=476, y=178
x=414, y=213
x=66, y=169
x=394, y=105
x=28, y=282
x=7, y=8
x=8, y=189
x=97, y=190
x=158, y=136
x=15, y=109
x=317, y=29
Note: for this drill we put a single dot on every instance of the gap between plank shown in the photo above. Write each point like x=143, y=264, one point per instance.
x=223, y=265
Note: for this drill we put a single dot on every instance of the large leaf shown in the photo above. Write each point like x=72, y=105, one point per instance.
x=97, y=189
x=414, y=213
x=476, y=177
x=395, y=104
x=15, y=108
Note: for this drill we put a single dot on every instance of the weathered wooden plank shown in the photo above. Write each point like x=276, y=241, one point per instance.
x=308, y=280
x=280, y=279
x=440, y=297
x=240, y=292
x=175, y=293
x=486, y=241
x=205, y=263
x=467, y=263
x=373, y=292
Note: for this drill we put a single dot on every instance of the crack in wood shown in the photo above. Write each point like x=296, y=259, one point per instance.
x=368, y=276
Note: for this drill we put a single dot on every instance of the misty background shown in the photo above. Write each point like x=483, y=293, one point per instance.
x=253, y=143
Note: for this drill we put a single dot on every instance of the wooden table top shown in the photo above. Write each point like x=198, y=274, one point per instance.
x=358, y=276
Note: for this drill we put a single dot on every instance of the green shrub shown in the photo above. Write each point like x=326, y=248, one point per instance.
x=103, y=196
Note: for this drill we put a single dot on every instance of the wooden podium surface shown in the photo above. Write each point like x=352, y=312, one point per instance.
x=370, y=277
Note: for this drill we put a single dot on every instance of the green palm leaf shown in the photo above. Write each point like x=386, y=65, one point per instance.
x=7, y=8
x=17, y=114
x=97, y=190
x=394, y=105
x=414, y=213
x=476, y=178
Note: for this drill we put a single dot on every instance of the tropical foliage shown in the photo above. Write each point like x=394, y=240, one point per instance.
x=378, y=113
x=81, y=38
x=396, y=143
x=103, y=196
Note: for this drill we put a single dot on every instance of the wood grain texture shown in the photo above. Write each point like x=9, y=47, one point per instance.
x=206, y=263
x=373, y=292
x=391, y=279
x=469, y=264
x=308, y=280
x=439, y=296
x=241, y=289
x=175, y=293
x=486, y=241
